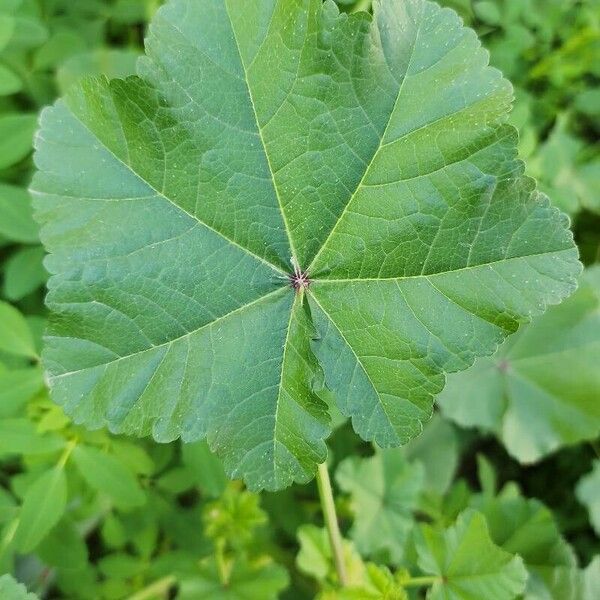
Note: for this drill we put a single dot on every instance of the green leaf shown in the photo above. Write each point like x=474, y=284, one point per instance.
x=9, y=82
x=570, y=181
x=24, y=273
x=315, y=557
x=467, y=563
x=7, y=26
x=248, y=579
x=591, y=580
x=384, y=491
x=15, y=335
x=106, y=474
x=64, y=547
x=20, y=436
x=10, y=589
x=540, y=391
x=16, y=220
x=103, y=61
x=16, y=133
x=527, y=528
x=43, y=506
x=588, y=493
x=17, y=387
x=206, y=469
x=62, y=45
x=253, y=135
x=234, y=517
x=437, y=450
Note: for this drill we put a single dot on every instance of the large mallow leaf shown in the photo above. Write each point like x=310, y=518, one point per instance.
x=540, y=391
x=365, y=156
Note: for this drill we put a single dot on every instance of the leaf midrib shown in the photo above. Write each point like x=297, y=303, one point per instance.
x=440, y=273
x=261, y=137
x=375, y=153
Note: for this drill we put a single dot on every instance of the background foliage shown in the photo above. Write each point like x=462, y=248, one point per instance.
x=509, y=469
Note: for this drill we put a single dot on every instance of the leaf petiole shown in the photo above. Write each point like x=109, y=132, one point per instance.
x=420, y=581
x=331, y=522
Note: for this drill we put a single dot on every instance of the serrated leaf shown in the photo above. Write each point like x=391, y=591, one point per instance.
x=467, y=563
x=527, y=528
x=43, y=506
x=588, y=493
x=106, y=474
x=540, y=391
x=384, y=490
x=372, y=150
x=11, y=589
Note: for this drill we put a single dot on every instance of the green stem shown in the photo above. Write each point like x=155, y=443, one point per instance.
x=158, y=589
x=331, y=522
x=62, y=461
x=420, y=581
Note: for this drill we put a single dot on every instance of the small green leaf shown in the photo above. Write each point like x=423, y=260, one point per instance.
x=488, y=12
x=233, y=517
x=17, y=387
x=10, y=589
x=384, y=490
x=248, y=579
x=61, y=45
x=488, y=479
x=64, y=547
x=106, y=474
x=15, y=335
x=9, y=82
x=468, y=564
x=16, y=220
x=588, y=493
x=20, y=436
x=206, y=469
x=16, y=134
x=43, y=506
x=24, y=273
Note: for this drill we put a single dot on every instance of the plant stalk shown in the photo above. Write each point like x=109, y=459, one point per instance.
x=420, y=581
x=331, y=522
